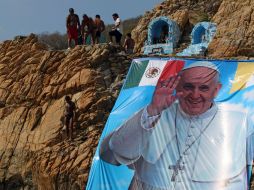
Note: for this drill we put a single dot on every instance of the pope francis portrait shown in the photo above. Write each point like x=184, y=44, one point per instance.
x=184, y=140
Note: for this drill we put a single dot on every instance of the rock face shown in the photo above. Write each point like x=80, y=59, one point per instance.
x=34, y=150
x=234, y=19
x=235, y=32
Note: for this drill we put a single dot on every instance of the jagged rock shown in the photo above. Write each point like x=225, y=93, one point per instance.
x=35, y=153
x=234, y=29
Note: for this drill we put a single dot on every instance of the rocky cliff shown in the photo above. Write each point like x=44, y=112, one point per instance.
x=34, y=151
x=235, y=33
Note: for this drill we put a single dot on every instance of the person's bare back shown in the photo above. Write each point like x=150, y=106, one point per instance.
x=69, y=114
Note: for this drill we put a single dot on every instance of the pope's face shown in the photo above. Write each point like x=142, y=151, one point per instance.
x=199, y=87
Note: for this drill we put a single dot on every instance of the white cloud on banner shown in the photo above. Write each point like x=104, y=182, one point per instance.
x=249, y=96
x=240, y=107
x=234, y=107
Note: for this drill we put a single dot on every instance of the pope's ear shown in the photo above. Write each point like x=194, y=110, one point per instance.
x=219, y=85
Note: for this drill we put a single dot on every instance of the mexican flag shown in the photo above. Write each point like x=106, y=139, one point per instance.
x=149, y=72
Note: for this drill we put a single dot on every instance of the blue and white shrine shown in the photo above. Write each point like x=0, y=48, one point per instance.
x=163, y=36
x=201, y=36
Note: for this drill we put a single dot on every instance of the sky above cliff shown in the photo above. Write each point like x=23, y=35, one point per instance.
x=22, y=17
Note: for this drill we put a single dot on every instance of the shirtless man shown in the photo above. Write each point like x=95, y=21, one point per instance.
x=69, y=114
x=99, y=28
x=72, y=26
x=129, y=44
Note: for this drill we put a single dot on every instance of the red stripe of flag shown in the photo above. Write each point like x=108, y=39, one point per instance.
x=171, y=68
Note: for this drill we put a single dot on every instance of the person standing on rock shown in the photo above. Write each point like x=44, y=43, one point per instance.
x=72, y=26
x=129, y=44
x=88, y=28
x=69, y=114
x=116, y=30
x=99, y=28
x=85, y=28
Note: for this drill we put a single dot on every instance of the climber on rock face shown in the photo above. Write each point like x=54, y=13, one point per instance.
x=69, y=114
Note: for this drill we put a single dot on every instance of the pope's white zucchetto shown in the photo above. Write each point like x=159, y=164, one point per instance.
x=206, y=64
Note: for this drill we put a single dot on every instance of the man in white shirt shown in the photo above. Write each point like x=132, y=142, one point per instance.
x=116, y=29
x=183, y=140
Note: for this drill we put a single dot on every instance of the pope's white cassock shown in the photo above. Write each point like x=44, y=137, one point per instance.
x=182, y=152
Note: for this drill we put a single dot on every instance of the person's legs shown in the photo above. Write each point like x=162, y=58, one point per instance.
x=111, y=33
x=69, y=37
x=67, y=123
x=118, y=37
x=85, y=38
x=96, y=40
x=75, y=36
x=76, y=41
x=92, y=38
x=72, y=35
x=71, y=127
x=97, y=37
x=69, y=42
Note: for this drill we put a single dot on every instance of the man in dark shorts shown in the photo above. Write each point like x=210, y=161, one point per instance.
x=72, y=26
x=116, y=29
x=69, y=114
x=99, y=28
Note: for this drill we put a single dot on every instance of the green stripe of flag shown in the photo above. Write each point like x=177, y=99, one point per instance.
x=136, y=73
